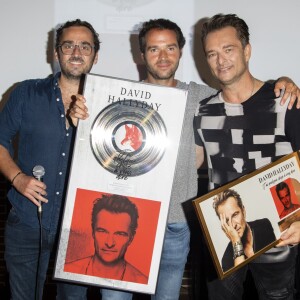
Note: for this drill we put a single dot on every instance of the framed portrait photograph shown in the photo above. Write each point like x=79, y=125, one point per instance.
x=109, y=228
x=246, y=217
x=120, y=184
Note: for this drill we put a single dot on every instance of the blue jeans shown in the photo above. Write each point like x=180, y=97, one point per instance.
x=21, y=256
x=272, y=280
x=68, y=291
x=174, y=255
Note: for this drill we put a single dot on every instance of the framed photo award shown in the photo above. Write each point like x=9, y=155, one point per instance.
x=246, y=217
x=120, y=184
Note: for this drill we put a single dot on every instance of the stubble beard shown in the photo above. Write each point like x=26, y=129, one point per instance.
x=75, y=76
x=158, y=76
x=70, y=76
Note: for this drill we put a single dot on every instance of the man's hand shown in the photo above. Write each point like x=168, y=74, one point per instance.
x=290, y=90
x=78, y=110
x=31, y=188
x=229, y=229
x=291, y=236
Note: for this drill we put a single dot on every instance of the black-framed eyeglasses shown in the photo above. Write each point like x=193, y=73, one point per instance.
x=68, y=48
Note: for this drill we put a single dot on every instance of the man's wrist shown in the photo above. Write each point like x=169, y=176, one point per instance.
x=12, y=181
x=238, y=249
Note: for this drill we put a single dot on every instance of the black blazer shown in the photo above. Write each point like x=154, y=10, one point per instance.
x=263, y=235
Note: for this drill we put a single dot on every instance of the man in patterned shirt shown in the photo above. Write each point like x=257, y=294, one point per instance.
x=242, y=128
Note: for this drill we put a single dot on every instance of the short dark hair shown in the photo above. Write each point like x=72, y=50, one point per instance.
x=281, y=186
x=78, y=22
x=116, y=204
x=223, y=196
x=221, y=21
x=160, y=24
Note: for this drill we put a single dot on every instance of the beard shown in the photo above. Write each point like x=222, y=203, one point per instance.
x=75, y=73
x=156, y=74
x=70, y=75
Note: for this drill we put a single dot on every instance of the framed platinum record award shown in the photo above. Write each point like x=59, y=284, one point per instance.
x=120, y=184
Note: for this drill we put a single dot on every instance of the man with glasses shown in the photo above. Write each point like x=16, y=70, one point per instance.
x=68, y=48
x=37, y=111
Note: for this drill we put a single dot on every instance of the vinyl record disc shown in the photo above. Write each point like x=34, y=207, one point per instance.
x=128, y=140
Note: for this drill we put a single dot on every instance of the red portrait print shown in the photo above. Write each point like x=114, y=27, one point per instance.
x=81, y=245
x=286, y=193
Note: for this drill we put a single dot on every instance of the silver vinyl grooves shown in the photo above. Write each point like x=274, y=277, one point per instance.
x=128, y=140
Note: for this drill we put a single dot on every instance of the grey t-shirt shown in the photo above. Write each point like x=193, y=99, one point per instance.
x=185, y=184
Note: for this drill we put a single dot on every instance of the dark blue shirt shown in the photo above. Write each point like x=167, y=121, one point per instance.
x=35, y=112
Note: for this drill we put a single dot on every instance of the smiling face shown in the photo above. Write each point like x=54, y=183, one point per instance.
x=112, y=236
x=162, y=55
x=235, y=214
x=226, y=57
x=76, y=64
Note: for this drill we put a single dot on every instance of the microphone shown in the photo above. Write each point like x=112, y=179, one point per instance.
x=39, y=172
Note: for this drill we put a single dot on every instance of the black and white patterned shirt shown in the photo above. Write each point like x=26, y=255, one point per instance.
x=240, y=138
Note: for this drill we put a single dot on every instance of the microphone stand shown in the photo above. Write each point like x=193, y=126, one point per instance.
x=38, y=172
